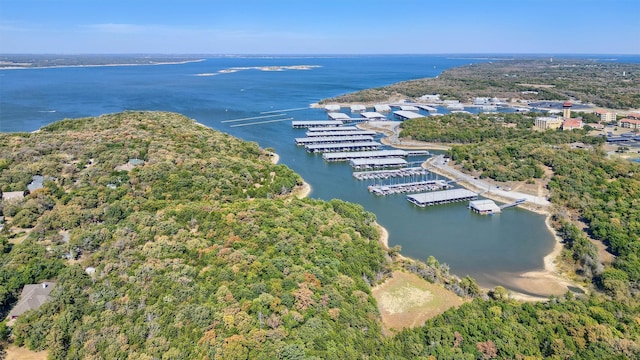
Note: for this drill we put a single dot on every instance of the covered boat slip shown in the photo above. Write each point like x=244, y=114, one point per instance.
x=484, y=207
x=441, y=197
x=378, y=163
x=416, y=186
x=300, y=124
x=346, y=156
x=387, y=174
x=341, y=147
x=333, y=139
x=340, y=133
x=332, y=128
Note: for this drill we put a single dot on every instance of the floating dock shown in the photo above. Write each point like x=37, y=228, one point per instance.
x=417, y=186
x=484, y=207
x=388, y=174
x=441, y=197
x=346, y=156
x=333, y=139
x=299, y=124
x=340, y=133
x=380, y=163
x=343, y=147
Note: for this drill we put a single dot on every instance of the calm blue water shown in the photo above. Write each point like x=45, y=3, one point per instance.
x=485, y=247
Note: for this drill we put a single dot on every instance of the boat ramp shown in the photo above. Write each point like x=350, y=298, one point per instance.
x=441, y=197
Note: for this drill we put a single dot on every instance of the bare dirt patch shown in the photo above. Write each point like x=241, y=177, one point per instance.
x=21, y=353
x=406, y=300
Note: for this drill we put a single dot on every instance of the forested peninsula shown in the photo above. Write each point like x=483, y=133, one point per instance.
x=169, y=240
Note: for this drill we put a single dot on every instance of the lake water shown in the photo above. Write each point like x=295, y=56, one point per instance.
x=482, y=246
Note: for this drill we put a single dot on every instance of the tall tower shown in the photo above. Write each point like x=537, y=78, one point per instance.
x=566, y=110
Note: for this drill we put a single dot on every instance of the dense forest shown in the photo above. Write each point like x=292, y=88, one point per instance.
x=198, y=250
x=605, y=84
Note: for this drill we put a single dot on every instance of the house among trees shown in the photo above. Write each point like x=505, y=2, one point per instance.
x=32, y=297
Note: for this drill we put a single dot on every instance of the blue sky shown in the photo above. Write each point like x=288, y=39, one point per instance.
x=320, y=27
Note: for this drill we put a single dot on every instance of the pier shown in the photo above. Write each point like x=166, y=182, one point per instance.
x=515, y=203
x=441, y=197
x=342, y=147
x=300, y=124
x=417, y=186
x=332, y=139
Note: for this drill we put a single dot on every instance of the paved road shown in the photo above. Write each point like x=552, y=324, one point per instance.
x=439, y=163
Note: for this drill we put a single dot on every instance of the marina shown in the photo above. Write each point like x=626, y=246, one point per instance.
x=441, y=197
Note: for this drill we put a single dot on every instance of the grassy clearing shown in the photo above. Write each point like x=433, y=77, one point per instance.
x=22, y=353
x=406, y=300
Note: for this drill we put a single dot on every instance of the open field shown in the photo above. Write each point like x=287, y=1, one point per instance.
x=406, y=300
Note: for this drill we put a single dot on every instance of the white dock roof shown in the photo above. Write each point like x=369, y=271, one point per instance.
x=358, y=108
x=407, y=114
x=382, y=108
x=338, y=116
x=372, y=115
x=408, y=108
x=332, y=108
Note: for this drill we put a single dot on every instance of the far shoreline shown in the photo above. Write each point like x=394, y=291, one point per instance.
x=100, y=65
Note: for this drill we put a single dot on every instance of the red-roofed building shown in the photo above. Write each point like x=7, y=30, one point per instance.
x=629, y=123
x=634, y=116
x=570, y=124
